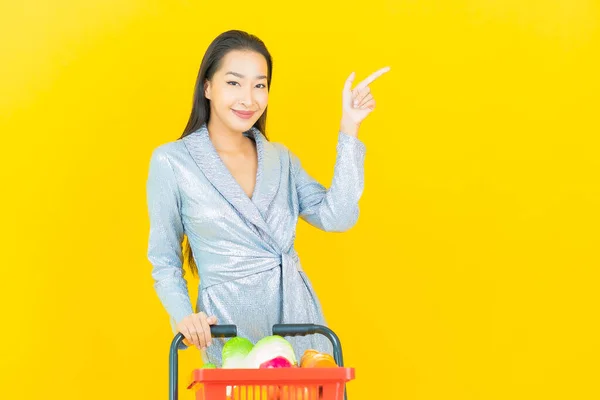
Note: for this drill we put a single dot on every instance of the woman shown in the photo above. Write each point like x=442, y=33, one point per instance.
x=237, y=198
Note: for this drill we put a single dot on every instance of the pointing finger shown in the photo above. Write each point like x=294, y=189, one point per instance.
x=372, y=78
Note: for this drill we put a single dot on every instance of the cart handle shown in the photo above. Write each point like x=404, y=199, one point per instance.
x=215, y=331
x=231, y=331
x=309, y=329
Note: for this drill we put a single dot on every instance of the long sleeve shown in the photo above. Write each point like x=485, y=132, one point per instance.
x=335, y=209
x=166, y=234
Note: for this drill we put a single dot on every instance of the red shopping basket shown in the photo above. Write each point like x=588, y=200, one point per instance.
x=271, y=383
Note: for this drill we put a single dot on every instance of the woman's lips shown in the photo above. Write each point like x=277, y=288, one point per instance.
x=244, y=114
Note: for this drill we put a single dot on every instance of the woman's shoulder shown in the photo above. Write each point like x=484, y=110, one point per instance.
x=280, y=147
x=167, y=151
x=275, y=145
x=283, y=151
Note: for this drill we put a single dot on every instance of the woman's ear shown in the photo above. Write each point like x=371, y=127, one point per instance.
x=207, y=89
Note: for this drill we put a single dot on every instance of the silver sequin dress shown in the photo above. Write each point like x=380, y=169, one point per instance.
x=250, y=274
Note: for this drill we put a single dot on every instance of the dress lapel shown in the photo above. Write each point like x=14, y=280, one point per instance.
x=269, y=173
x=206, y=157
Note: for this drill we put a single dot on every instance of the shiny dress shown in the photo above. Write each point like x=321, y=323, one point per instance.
x=250, y=273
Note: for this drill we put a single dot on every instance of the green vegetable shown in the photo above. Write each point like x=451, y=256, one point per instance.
x=209, y=366
x=235, y=351
x=269, y=348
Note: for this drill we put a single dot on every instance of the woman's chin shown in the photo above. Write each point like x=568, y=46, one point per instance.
x=241, y=125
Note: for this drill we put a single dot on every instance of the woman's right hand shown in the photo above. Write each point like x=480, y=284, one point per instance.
x=196, y=329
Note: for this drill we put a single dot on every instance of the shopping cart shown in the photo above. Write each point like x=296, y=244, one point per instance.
x=267, y=383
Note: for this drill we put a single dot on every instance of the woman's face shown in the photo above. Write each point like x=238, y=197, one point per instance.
x=238, y=90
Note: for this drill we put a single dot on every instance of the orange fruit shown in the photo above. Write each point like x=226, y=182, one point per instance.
x=314, y=359
x=308, y=354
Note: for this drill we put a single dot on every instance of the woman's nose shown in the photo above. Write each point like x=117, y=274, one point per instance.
x=247, y=98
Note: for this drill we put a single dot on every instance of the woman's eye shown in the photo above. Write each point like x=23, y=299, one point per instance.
x=261, y=86
x=232, y=83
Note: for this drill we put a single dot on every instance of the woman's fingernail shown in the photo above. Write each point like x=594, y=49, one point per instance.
x=209, y=343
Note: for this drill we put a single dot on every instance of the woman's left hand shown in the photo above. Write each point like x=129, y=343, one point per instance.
x=358, y=103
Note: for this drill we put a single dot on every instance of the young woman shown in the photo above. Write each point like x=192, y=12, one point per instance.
x=237, y=197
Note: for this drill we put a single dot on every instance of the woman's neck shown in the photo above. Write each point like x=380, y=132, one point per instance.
x=224, y=139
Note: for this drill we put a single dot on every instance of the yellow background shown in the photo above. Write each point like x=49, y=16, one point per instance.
x=475, y=259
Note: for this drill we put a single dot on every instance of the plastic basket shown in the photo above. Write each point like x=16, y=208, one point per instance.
x=271, y=384
x=266, y=384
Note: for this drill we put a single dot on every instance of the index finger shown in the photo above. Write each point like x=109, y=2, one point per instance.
x=206, y=329
x=371, y=78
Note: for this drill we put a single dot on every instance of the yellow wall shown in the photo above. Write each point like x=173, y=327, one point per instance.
x=475, y=259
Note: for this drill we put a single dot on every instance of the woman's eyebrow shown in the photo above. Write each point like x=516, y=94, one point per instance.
x=242, y=76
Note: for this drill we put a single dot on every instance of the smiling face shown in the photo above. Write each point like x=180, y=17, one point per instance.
x=238, y=91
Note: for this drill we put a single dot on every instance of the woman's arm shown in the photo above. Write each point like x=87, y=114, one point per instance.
x=166, y=234
x=335, y=209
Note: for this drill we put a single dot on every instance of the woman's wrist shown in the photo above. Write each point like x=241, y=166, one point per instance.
x=349, y=128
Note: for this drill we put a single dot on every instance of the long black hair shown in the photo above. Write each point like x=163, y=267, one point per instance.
x=211, y=62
